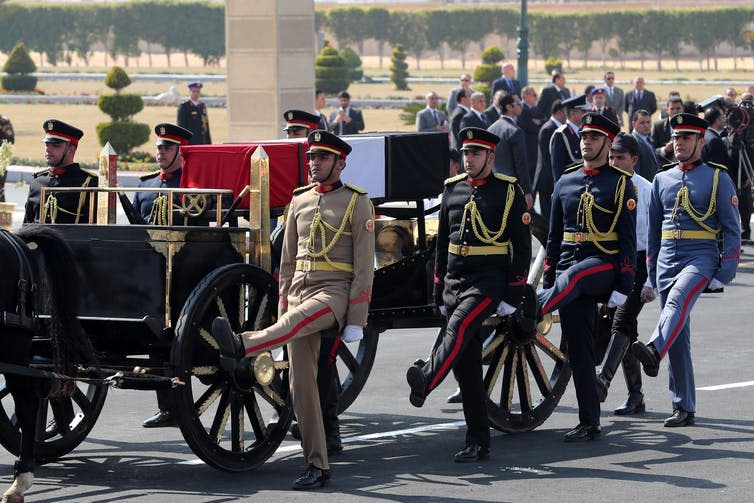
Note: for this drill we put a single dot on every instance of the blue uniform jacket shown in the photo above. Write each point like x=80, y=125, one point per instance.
x=143, y=201
x=569, y=215
x=667, y=257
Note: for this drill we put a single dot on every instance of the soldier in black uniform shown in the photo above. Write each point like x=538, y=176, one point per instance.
x=192, y=115
x=6, y=133
x=61, y=141
x=483, y=255
x=591, y=257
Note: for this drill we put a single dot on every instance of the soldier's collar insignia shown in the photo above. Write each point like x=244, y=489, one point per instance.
x=317, y=136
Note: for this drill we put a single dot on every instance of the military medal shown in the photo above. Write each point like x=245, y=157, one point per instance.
x=631, y=204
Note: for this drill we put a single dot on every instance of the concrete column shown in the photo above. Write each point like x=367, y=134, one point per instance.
x=270, y=64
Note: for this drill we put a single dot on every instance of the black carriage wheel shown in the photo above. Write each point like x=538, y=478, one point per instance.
x=228, y=427
x=87, y=402
x=525, y=375
x=355, y=366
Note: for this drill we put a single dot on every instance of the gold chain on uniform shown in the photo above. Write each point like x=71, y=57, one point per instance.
x=480, y=230
x=321, y=227
x=52, y=206
x=587, y=203
x=683, y=199
x=159, y=213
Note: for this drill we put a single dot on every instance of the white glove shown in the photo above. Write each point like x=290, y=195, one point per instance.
x=648, y=294
x=443, y=310
x=504, y=309
x=616, y=299
x=353, y=333
x=715, y=284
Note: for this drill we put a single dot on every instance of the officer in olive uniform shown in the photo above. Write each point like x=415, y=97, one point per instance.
x=693, y=205
x=483, y=255
x=591, y=257
x=61, y=141
x=326, y=273
x=192, y=115
x=153, y=205
x=564, y=142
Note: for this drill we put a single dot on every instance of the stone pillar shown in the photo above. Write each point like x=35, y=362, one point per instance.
x=270, y=64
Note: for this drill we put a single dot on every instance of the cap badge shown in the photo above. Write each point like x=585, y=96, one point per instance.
x=680, y=119
x=588, y=119
x=290, y=115
x=317, y=136
x=49, y=125
x=470, y=134
x=162, y=130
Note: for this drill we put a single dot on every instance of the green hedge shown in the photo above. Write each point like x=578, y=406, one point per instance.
x=120, y=106
x=19, y=82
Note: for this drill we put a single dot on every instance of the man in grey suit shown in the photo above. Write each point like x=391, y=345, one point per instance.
x=510, y=152
x=474, y=117
x=346, y=119
x=430, y=119
x=465, y=83
x=639, y=98
x=648, y=164
x=614, y=96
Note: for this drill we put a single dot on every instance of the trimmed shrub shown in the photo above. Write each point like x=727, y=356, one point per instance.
x=19, y=82
x=120, y=107
x=399, y=68
x=19, y=67
x=123, y=135
x=330, y=71
x=486, y=73
x=117, y=78
x=553, y=63
x=492, y=55
x=353, y=64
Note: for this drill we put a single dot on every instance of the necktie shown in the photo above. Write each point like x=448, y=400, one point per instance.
x=641, y=94
x=610, y=92
x=434, y=114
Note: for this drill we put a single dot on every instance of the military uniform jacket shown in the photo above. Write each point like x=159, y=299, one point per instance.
x=667, y=257
x=66, y=207
x=564, y=150
x=613, y=209
x=496, y=276
x=195, y=119
x=347, y=293
x=143, y=201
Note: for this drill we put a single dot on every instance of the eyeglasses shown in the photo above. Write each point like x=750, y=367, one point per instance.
x=609, y=78
x=465, y=80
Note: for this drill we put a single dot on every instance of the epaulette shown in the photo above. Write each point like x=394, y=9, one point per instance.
x=41, y=172
x=573, y=167
x=303, y=189
x=506, y=178
x=457, y=178
x=91, y=172
x=623, y=172
x=149, y=176
x=356, y=189
x=668, y=166
x=718, y=165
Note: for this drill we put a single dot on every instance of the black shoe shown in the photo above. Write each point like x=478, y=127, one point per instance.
x=232, y=353
x=583, y=433
x=648, y=356
x=416, y=381
x=162, y=419
x=312, y=477
x=455, y=397
x=602, y=386
x=634, y=404
x=680, y=418
x=472, y=453
x=419, y=362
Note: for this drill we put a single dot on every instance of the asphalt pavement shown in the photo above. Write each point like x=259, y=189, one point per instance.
x=395, y=452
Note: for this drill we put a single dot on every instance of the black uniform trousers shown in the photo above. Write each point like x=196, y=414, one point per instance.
x=624, y=319
x=575, y=295
x=461, y=350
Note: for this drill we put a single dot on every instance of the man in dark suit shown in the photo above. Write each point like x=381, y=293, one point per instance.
x=543, y=182
x=430, y=119
x=510, y=153
x=530, y=120
x=599, y=104
x=474, y=117
x=507, y=82
x=493, y=112
x=346, y=120
x=564, y=144
x=648, y=164
x=462, y=108
x=554, y=91
x=661, y=131
x=639, y=98
x=715, y=151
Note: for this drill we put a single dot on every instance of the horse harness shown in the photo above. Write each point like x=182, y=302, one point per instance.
x=21, y=318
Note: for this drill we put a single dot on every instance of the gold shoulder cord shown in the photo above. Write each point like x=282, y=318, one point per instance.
x=682, y=199
x=587, y=204
x=482, y=233
x=321, y=227
x=51, y=208
x=159, y=213
x=82, y=198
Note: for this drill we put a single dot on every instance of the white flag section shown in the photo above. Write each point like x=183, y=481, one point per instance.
x=365, y=165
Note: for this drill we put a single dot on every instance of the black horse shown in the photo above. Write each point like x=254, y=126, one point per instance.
x=37, y=265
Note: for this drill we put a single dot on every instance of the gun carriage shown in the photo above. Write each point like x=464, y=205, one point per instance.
x=150, y=293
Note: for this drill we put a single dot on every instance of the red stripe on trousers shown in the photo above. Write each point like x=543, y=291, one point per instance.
x=459, y=341
x=283, y=338
x=579, y=275
x=682, y=318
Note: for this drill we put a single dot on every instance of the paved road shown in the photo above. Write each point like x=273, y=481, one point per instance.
x=395, y=452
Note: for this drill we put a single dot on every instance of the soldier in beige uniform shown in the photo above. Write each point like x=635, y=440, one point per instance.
x=326, y=274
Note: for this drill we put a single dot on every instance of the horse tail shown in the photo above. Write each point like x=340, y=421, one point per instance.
x=69, y=344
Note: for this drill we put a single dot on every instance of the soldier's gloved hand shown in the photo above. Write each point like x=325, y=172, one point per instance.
x=504, y=309
x=616, y=299
x=715, y=284
x=443, y=310
x=353, y=333
x=648, y=294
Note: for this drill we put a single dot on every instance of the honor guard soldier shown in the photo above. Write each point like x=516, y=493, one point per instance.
x=61, y=141
x=591, y=257
x=693, y=243
x=326, y=273
x=564, y=143
x=298, y=124
x=192, y=115
x=152, y=206
x=483, y=255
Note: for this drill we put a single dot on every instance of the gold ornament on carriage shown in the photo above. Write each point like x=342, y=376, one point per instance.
x=194, y=205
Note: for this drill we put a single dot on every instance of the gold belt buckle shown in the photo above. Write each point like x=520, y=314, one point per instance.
x=676, y=234
x=578, y=237
x=308, y=266
x=463, y=250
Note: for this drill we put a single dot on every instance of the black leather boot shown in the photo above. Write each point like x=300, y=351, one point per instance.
x=613, y=356
x=634, y=404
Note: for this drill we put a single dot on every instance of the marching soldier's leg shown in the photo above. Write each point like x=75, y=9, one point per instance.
x=634, y=404
x=468, y=373
x=327, y=383
x=588, y=277
x=681, y=380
